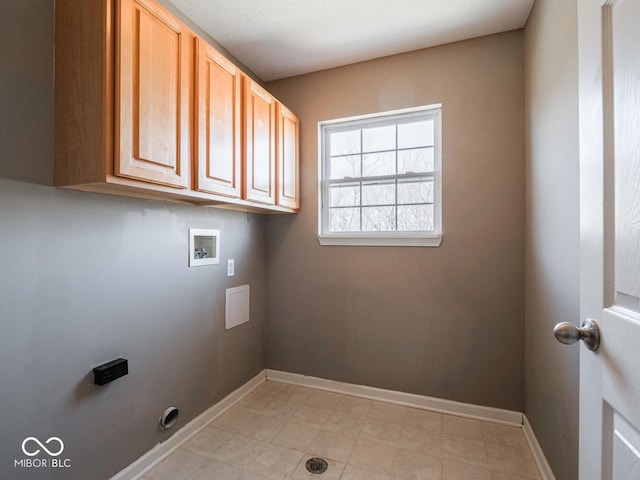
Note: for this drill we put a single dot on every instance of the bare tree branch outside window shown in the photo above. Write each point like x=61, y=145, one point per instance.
x=381, y=176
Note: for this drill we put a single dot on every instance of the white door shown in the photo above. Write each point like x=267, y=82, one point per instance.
x=609, y=82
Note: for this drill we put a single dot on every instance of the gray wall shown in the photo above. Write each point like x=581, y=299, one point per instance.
x=86, y=278
x=26, y=90
x=552, y=252
x=445, y=322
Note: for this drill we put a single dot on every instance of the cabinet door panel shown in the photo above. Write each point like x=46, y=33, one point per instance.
x=152, y=95
x=288, y=162
x=218, y=123
x=259, y=144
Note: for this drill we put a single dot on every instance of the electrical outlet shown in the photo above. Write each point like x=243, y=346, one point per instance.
x=230, y=268
x=110, y=371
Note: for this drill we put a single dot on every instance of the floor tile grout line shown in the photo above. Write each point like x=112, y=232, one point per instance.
x=333, y=409
x=382, y=420
x=378, y=394
x=401, y=421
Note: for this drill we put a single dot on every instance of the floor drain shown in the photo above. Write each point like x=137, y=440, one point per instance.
x=316, y=465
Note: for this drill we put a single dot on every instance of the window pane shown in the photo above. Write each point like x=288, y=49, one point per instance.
x=344, y=195
x=379, y=138
x=344, y=219
x=418, y=134
x=380, y=176
x=378, y=219
x=415, y=190
x=413, y=218
x=379, y=193
x=345, y=143
x=341, y=167
x=417, y=160
x=376, y=164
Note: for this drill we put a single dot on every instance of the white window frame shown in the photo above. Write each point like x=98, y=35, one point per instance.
x=422, y=239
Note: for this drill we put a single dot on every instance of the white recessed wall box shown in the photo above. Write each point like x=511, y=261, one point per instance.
x=204, y=247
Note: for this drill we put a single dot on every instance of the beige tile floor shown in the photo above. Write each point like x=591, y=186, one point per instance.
x=273, y=431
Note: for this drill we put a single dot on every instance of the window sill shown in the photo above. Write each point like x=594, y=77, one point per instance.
x=381, y=240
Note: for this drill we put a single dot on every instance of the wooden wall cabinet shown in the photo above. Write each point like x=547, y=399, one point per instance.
x=218, y=116
x=145, y=108
x=123, y=108
x=288, y=186
x=154, y=65
x=259, y=144
x=271, y=133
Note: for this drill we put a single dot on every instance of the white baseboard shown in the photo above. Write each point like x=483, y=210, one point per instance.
x=543, y=465
x=161, y=451
x=496, y=415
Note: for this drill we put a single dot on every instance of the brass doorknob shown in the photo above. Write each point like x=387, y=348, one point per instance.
x=589, y=332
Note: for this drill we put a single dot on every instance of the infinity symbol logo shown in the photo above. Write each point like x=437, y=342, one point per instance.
x=34, y=439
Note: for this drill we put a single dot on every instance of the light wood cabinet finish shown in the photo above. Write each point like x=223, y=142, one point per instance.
x=288, y=194
x=259, y=143
x=83, y=92
x=145, y=108
x=154, y=65
x=218, y=115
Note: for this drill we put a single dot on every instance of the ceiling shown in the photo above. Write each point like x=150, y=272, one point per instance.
x=282, y=38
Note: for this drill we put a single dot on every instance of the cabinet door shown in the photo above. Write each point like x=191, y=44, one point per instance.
x=260, y=136
x=154, y=62
x=217, y=123
x=288, y=160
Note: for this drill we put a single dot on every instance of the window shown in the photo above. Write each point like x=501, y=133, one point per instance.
x=380, y=179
